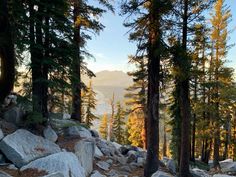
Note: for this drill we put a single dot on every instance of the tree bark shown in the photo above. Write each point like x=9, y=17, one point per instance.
x=185, y=104
x=154, y=44
x=76, y=85
x=7, y=54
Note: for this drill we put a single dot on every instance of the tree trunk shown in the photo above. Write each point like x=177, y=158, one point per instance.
x=36, y=57
x=7, y=54
x=185, y=104
x=154, y=43
x=76, y=85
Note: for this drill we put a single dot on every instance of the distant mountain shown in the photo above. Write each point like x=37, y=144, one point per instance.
x=105, y=84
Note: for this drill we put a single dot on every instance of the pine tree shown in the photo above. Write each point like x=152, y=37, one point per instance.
x=137, y=93
x=220, y=20
x=89, y=102
x=86, y=19
x=118, y=124
x=103, y=129
x=135, y=127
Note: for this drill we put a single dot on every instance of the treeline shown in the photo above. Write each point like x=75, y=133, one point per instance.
x=180, y=70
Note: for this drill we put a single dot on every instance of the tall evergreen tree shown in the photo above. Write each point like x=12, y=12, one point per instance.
x=89, y=101
x=219, y=20
x=119, y=125
x=103, y=129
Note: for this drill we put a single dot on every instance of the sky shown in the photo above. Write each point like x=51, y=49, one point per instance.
x=112, y=47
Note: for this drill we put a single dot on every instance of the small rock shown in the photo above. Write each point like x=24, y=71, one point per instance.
x=199, y=173
x=118, y=146
x=57, y=174
x=50, y=134
x=125, y=169
x=121, y=159
x=140, y=161
x=97, y=174
x=1, y=134
x=103, y=165
x=132, y=157
x=109, y=161
x=221, y=175
x=107, y=148
x=3, y=174
x=98, y=153
x=162, y=174
x=12, y=167
x=78, y=131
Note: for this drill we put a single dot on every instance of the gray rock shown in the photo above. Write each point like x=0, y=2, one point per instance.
x=221, y=175
x=22, y=147
x=14, y=115
x=228, y=166
x=132, y=156
x=56, y=174
x=1, y=134
x=103, y=165
x=140, y=161
x=199, y=173
x=110, y=161
x=171, y=166
x=94, y=133
x=50, y=134
x=97, y=174
x=64, y=162
x=118, y=146
x=121, y=159
x=124, y=150
x=3, y=174
x=61, y=123
x=2, y=159
x=84, y=150
x=78, y=131
x=107, y=148
x=12, y=167
x=162, y=174
x=98, y=153
x=125, y=169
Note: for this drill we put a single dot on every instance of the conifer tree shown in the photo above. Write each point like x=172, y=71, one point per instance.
x=219, y=34
x=103, y=129
x=119, y=124
x=89, y=102
x=137, y=94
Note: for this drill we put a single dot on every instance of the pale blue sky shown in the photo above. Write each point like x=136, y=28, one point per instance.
x=112, y=46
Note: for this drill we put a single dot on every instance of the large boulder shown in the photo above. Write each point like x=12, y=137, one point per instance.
x=14, y=115
x=162, y=174
x=78, y=131
x=171, y=166
x=65, y=163
x=228, y=166
x=22, y=147
x=84, y=150
x=50, y=134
